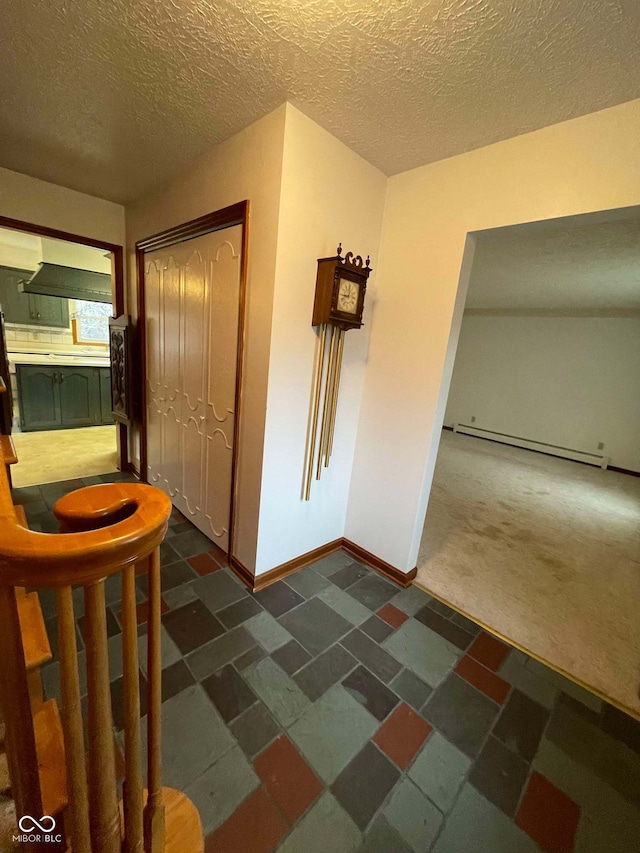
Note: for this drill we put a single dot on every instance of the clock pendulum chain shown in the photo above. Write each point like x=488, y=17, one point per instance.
x=326, y=405
x=335, y=391
x=316, y=406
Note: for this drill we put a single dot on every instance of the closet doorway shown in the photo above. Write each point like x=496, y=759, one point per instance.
x=191, y=299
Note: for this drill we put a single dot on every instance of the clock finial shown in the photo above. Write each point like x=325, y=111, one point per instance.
x=367, y=261
x=339, y=249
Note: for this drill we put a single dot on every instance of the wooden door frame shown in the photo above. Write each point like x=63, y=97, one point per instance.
x=235, y=214
x=119, y=298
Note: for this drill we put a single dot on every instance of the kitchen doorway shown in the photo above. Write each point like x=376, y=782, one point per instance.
x=58, y=292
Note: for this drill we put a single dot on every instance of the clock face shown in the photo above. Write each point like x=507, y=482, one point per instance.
x=347, y=301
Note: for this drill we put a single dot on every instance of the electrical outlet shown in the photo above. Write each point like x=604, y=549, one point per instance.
x=473, y=419
x=601, y=445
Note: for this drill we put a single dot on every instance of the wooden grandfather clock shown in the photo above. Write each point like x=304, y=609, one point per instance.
x=341, y=285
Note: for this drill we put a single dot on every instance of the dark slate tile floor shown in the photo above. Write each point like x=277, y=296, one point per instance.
x=333, y=711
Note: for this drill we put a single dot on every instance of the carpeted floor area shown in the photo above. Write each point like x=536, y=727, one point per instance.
x=543, y=551
x=63, y=454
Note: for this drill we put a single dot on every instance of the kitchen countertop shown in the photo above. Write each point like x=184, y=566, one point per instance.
x=81, y=359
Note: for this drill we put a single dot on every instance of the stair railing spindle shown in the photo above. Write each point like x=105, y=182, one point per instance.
x=154, y=811
x=104, y=813
x=132, y=793
x=78, y=831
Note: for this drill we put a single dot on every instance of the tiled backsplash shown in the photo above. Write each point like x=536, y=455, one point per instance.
x=22, y=338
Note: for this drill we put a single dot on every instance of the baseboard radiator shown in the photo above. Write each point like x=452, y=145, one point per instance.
x=529, y=444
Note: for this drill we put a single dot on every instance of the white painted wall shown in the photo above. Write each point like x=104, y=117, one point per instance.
x=329, y=194
x=75, y=255
x=247, y=166
x=307, y=192
x=41, y=203
x=19, y=249
x=587, y=164
x=570, y=381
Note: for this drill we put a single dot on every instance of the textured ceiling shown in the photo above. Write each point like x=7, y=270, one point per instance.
x=112, y=98
x=573, y=265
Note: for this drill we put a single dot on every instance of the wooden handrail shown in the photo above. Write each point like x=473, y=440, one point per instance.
x=31, y=558
x=107, y=529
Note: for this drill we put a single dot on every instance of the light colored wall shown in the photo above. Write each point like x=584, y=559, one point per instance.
x=247, y=166
x=329, y=194
x=307, y=193
x=28, y=251
x=19, y=249
x=41, y=203
x=587, y=164
x=75, y=255
x=569, y=381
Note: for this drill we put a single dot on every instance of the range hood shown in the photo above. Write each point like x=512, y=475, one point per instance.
x=68, y=283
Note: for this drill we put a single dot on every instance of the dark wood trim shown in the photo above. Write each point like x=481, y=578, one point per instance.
x=235, y=214
x=141, y=339
x=119, y=308
x=281, y=571
x=258, y=582
x=623, y=470
x=266, y=578
x=6, y=400
x=401, y=578
x=117, y=267
x=242, y=309
x=119, y=295
x=45, y=231
x=242, y=572
x=450, y=429
x=123, y=448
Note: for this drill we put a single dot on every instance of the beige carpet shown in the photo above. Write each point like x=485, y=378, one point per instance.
x=46, y=457
x=545, y=552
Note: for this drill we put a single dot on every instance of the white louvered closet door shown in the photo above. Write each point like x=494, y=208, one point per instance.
x=192, y=293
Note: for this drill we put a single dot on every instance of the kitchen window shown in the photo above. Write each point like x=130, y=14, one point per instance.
x=91, y=322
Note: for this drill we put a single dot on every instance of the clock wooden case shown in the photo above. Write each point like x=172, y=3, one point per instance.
x=340, y=289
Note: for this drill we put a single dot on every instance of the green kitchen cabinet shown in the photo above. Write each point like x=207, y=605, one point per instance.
x=39, y=397
x=15, y=305
x=79, y=396
x=63, y=397
x=48, y=310
x=30, y=309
